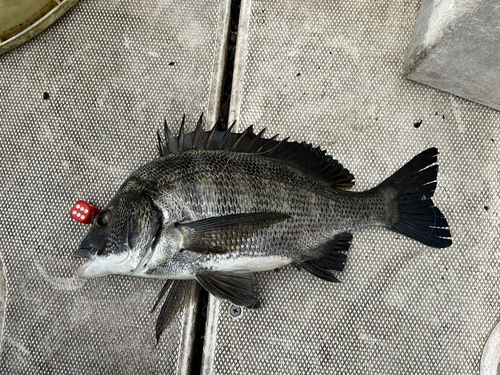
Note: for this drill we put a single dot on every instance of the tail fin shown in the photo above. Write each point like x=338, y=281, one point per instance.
x=413, y=212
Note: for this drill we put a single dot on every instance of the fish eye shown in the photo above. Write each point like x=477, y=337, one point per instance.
x=102, y=219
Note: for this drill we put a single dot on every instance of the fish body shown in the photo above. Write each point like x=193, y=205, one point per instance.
x=218, y=206
x=197, y=185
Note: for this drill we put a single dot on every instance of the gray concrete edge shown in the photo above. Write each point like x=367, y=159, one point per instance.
x=214, y=104
x=188, y=330
x=213, y=308
x=418, y=51
x=210, y=335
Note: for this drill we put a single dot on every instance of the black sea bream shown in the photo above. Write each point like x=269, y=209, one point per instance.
x=218, y=206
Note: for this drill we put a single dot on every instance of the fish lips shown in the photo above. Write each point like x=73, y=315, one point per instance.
x=85, y=252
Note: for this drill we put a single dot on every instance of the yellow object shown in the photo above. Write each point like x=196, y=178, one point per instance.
x=21, y=20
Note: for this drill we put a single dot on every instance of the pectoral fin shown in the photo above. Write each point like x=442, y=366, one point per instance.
x=238, y=287
x=223, y=234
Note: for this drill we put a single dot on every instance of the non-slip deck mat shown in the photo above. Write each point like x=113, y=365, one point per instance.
x=329, y=72
x=112, y=71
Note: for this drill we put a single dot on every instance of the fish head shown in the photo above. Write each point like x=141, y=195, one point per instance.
x=121, y=237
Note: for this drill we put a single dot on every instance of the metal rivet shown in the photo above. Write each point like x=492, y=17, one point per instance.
x=235, y=311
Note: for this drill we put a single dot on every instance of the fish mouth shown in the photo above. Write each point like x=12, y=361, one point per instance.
x=84, y=252
x=81, y=270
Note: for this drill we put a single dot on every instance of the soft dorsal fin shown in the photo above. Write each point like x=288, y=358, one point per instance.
x=303, y=156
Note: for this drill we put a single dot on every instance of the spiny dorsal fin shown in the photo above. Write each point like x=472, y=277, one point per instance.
x=198, y=134
x=224, y=138
x=311, y=160
x=180, y=138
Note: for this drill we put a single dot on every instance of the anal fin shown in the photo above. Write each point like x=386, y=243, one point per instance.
x=330, y=258
x=238, y=287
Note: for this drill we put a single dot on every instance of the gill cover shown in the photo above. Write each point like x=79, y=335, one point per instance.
x=144, y=225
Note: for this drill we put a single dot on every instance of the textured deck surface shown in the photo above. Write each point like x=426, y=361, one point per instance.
x=112, y=71
x=323, y=72
x=330, y=73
